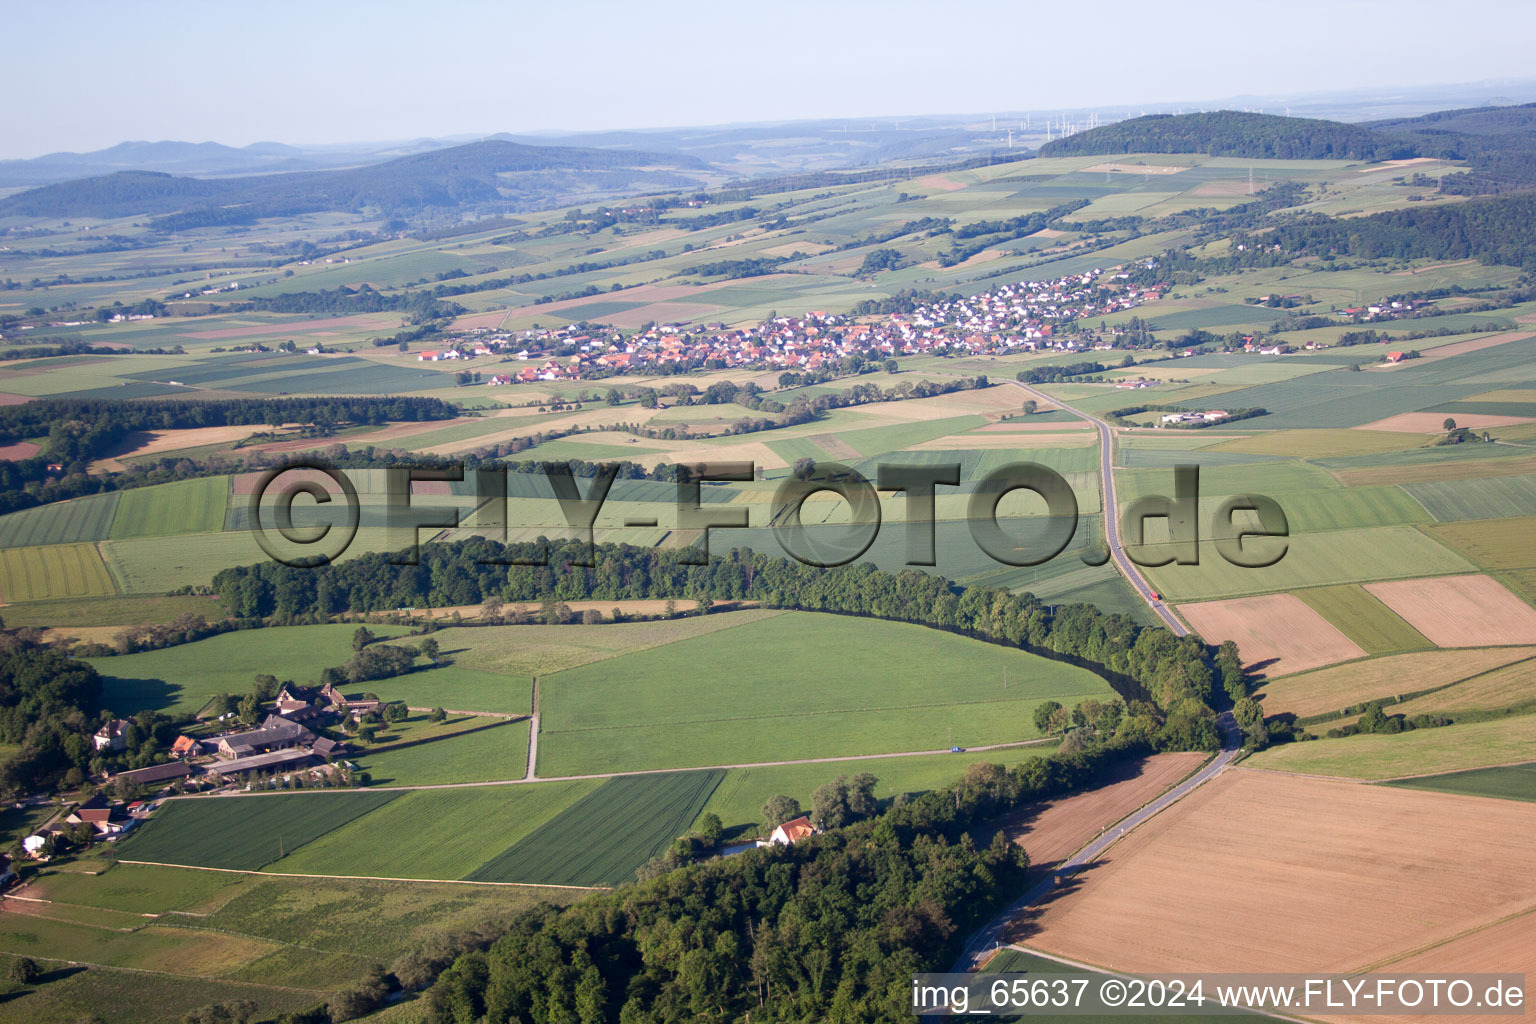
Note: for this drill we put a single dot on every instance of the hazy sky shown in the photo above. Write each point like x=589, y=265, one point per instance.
x=86, y=75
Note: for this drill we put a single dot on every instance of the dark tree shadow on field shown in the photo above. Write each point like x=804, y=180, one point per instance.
x=1026, y=923
x=129, y=696
x=1258, y=667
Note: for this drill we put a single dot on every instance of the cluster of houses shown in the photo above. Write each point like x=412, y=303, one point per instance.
x=1018, y=317
x=289, y=738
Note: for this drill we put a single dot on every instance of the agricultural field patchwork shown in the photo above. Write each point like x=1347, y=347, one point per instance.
x=1420, y=752
x=1362, y=617
x=1507, y=782
x=1321, y=691
x=1277, y=634
x=54, y=571
x=607, y=834
x=244, y=833
x=166, y=510
x=476, y=824
x=1460, y=611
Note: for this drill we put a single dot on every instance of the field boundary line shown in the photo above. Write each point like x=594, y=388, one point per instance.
x=360, y=878
x=1392, y=700
x=1458, y=771
x=1445, y=941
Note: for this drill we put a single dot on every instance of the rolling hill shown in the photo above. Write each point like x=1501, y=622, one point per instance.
x=488, y=174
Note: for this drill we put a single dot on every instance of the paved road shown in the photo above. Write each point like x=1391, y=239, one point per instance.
x=533, y=737
x=1123, y=561
x=992, y=935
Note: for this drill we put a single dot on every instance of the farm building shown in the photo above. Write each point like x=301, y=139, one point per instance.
x=307, y=715
x=157, y=773
x=275, y=734
x=105, y=818
x=299, y=757
x=326, y=747
x=793, y=831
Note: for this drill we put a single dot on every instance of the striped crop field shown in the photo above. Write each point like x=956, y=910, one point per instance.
x=606, y=835
x=57, y=570
x=244, y=833
x=165, y=510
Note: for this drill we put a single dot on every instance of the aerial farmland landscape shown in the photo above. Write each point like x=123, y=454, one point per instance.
x=558, y=537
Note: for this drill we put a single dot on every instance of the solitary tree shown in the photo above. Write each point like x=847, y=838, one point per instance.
x=1045, y=712
x=1449, y=424
x=1030, y=405
x=362, y=637
x=780, y=809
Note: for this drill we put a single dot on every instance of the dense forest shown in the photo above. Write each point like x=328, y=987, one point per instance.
x=1142, y=663
x=1494, y=230
x=1498, y=142
x=1234, y=133
x=48, y=704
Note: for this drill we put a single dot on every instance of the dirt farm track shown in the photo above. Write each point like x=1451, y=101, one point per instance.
x=1259, y=871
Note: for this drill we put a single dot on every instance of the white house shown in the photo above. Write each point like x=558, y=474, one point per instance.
x=793, y=831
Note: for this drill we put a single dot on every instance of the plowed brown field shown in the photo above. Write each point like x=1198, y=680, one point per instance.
x=1051, y=830
x=1265, y=872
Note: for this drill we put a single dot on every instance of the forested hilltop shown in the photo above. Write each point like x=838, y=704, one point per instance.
x=1498, y=142
x=1500, y=230
x=1234, y=133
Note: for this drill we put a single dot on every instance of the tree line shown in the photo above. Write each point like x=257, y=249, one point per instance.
x=78, y=431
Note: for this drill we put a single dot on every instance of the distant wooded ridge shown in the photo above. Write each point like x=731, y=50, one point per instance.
x=1499, y=142
x=457, y=177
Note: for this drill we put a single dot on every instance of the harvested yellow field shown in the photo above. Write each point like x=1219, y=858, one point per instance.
x=1506, y=947
x=1333, y=689
x=1513, y=684
x=1361, y=874
x=1460, y=611
x=1276, y=634
x=1434, y=422
x=1492, y=543
x=996, y=399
